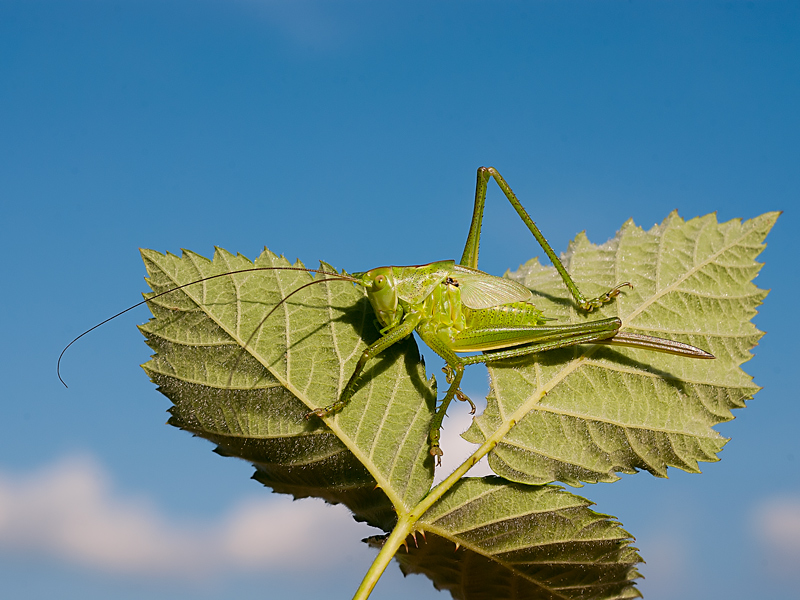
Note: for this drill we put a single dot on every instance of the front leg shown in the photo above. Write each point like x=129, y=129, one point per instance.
x=391, y=337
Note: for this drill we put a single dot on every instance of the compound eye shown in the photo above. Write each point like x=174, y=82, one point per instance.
x=379, y=283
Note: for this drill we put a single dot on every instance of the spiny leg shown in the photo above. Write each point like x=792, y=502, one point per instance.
x=454, y=371
x=449, y=375
x=392, y=336
x=573, y=339
x=470, y=256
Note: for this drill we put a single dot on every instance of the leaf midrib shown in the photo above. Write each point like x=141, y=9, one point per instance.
x=659, y=293
x=382, y=482
x=535, y=398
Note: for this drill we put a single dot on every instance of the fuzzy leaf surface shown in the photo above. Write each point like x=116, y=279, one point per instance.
x=487, y=539
x=585, y=413
x=251, y=396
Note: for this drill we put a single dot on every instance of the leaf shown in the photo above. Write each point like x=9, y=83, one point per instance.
x=585, y=413
x=246, y=382
x=253, y=403
x=487, y=539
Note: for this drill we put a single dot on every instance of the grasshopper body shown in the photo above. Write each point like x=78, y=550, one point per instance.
x=456, y=308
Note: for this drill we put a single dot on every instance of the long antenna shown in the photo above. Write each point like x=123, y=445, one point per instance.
x=246, y=345
x=337, y=276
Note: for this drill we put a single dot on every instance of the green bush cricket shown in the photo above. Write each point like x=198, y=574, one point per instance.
x=456, y=309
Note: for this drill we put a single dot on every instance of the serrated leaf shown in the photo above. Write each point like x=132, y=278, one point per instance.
x=581, y=414
x=487, y=539
x=372, y=456
x=585, y=413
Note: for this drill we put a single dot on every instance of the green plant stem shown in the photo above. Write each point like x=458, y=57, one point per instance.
x=405, y=525
x=406, y=522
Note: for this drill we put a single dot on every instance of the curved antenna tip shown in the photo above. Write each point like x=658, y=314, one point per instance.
x=336, y=276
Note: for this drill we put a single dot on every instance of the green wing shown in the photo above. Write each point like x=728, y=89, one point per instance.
x=481, y=290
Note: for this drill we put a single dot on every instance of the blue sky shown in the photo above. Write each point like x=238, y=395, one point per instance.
x=351, y=132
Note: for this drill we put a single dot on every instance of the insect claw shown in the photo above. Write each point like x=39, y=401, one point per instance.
x=590, y=305
x=437, y=452
x=448, y=373
x=464, y=398
x=318, y=412
x=615, y=292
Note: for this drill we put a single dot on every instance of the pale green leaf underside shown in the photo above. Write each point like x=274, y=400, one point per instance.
x=581, y=414
x=586, y=413
x=300, y=359
x=488, y=539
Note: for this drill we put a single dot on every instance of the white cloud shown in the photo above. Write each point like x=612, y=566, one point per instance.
x=456, y=449
x=777, y=526
x=667, y=569
x=70, y=511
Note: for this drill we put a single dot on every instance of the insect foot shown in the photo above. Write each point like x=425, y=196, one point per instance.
x=323, y=412
x=435, y=449
x=449, y=375
x=464, y=398
x=336, y=406
x=590, y=305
